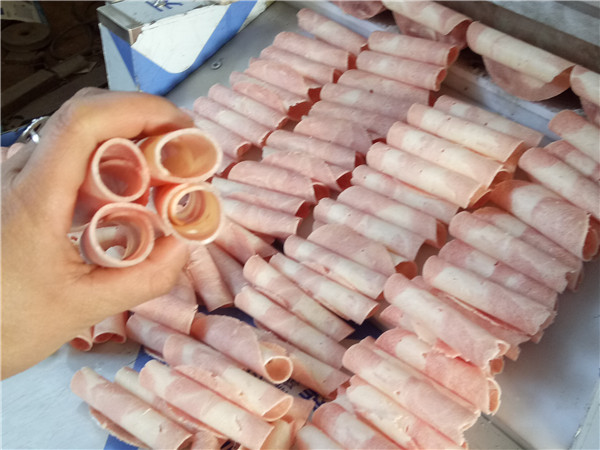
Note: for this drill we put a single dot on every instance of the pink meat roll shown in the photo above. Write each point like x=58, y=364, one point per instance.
x=427, y=176
x=462, y=378
x=203, y=404
x=347, y=429
x=430, y=20
x=335, y=266
x=392, y=419
x=404, y=193
x=319, y=72
x=149, y=333
x=409, y=389
x=334, y=177
x=231, y=143
x=84, y=341
x=314, y=49
x=310, y=437
x=385, y=86
x=191, y=211
x=416, y=73
x=446, y=154
x=359, y=9
x=283, y=76
x=519, y=68
x=565, y=224
x=330, y=31
x=259, y=196
x=232, y=120
x=397, y=239
x=491, y=298
x=117, y=172
x=206, y=278
x=330, y=152
x=127, y=411
x=479, y=138
x=472, y=113
x=395, y=212
x=288, y=294
x=242, y=243
x=578, y=132
x=585, y=84
x=575, y=158
x=278, y=179
x=289, y=327
x=346, y=303
x=247, y=106
x=560, y=178
x=417, y=49
x=237, y=340
x=512, y=251
x=295, y=106
x=361, y=98
x=217, y=372
x=338, y=131
x=111, y=329
x=260, y=219
x=230, y=269
x=458, y=253
x=437, y=323
x=175, y=309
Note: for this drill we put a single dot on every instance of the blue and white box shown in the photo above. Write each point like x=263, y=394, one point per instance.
x=153, y=45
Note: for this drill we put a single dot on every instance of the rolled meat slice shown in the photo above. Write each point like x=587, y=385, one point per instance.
x=430, y=20
x=512, y=251
x=314, y=49
x=128, y=412
x=283, y=76
x=182, y=156
x=360, y=9
x=427, y=176
x=190, y=210
x=578, y=132
x=84, y=341
x=330, y=31
x=376, y=124
x=347, y=429
x=242, y=243
x=472, y=113
x=313, y=70
x=397, y=239
x=565, y=224
x=562, y=179
x=149, y=333
x=232, y=120
x=289, y=327
x=247, y=106
x=404, y=193
x=229, y=268
x=237, y=340
x=519, y=68
x=330, y=152
x=346, y=303
x=117, y=172
x=508, y=307
x=279, y=288
x=409, y=389
x=395, y=212
x=338, y=131
x=462, y=378
x=206, y=278
x=417, y=49
x=295, y=106
x=310, y=437
x=111, y=329
x=575, y=158
x=360, y=98
x=437, y=323
x=465, y=256
x=231, y=143
x=217, y=372
x=585, y=83
x=385, y=86
x=416, y=73
x=335, y=266
x=440, y=151
x=206, y=406
x=479, y=138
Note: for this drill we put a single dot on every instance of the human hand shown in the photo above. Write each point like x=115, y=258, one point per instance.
x=49, y=295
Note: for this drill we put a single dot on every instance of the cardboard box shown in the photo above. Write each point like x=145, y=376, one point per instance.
x=151, y=46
